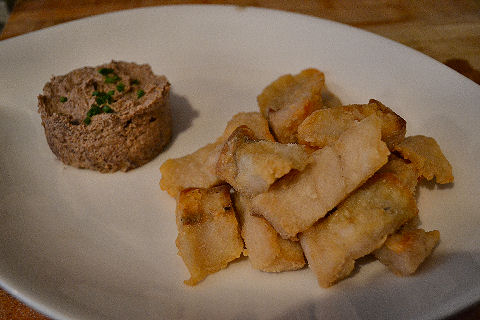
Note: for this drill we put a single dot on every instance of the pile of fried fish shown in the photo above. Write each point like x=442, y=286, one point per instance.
x=305, y=181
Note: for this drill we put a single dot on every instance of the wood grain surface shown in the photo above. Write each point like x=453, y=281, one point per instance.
x=446, y=30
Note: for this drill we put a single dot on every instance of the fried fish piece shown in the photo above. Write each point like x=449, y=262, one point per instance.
x=195, y=170
x=296, y=201
x=287, y=101
x=408, y=175
x=404, y=170
x=253, y=120
x=265, y=249
x=403, y=252
x=250, y=165
x=324, y=126
x=198, y=169
x=357, y=227
x=208, y=234
x=426, y=155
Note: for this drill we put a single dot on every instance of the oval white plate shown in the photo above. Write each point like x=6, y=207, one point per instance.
x=84, y=245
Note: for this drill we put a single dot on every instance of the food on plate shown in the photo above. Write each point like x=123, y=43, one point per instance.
x=265, y=249
x=198, y=169
x=295, y=203
x=106, y=118
x=254, y=120
x=208, y=234
x=403, y=252
x=250, y=165
x=404, y=170
x=325, y=126
x=357, y=227
x=412, y=245
x=287, y=101
x=426, y=155
x=195, y=170
x=324, y=190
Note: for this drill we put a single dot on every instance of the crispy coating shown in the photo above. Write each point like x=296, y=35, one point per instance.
x=327, y=193
x=324, y=126
x=254, y=121
x=265, y=249
x=296, y=201
x=403, y=252
x=208, y=234
x=287, y=101
x=198, y=169
x=426, y=155
x=195, y=170
x=250, y=166
x=404, y=170
x=357, y=227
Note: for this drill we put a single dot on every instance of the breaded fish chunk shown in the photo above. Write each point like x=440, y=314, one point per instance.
x=324, y=126
x=198, y=169
x=195, y=170
x=250, y=166
x=253, y=120
x=404, y=170
x=287, y=101
x=426, y=155
x=357, y=227
x=403, y=252
x=296, y=201
x=265, y=249
x=208, y=234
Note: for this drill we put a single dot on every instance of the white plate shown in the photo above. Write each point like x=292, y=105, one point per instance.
x=83, y=245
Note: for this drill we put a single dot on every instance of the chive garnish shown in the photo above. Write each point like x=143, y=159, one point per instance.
x=140, y=93
x=105, y=71
x=94, y=110
x=107, y=109
x=63, y=99
x=102, y=97
x=134, y=81
x=112, y=79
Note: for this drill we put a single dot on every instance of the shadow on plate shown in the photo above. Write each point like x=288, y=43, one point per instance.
x=330, y=99
x=381, y=295
x=182, y=115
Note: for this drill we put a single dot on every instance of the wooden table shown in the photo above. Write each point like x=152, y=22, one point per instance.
x=446, y=30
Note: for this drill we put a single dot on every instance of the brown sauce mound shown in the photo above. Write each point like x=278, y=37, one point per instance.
x=128, y=127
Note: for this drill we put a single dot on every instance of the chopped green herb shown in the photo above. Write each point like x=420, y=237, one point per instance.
x=94, y=110
x=140, y=93
x=107, y=109
x=103, y=98
x=105, y=71
x=100, y=99
x=134, y=81
x=112, y=79
x=120, y=87
x=63, y=99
